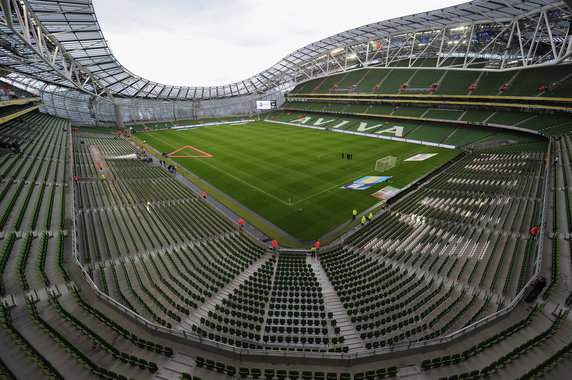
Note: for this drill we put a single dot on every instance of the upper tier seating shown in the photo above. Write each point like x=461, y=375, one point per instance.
x=541, y=82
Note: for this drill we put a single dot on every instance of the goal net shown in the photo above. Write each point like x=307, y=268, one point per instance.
x=385, y=163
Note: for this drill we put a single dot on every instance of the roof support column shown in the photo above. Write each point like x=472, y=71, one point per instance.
x=7, y=11
x=118, y=116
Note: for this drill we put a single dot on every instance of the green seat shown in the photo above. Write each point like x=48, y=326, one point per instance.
x=306, y=375
x=293, y=374
x=244, y=372
x=446, y=360
x=269, y=373
x=456, y=358
x=392, y=371
x=319, y=375
x=200, y=361
x=210, y=364
x=230, y=370
x=255, y=372
x=281, y=374
x=381, y=373
x=124, y=357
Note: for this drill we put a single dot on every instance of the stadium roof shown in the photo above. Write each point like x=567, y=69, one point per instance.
x=60, y=42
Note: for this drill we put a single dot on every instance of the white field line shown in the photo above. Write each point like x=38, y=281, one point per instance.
x=273, y=196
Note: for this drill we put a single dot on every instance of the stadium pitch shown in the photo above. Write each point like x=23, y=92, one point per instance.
x=294, y=176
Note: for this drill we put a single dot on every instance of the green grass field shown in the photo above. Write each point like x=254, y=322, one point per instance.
x=292, y=175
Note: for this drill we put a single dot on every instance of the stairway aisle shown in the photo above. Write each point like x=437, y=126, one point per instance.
x=333, y=304
x=203, y=310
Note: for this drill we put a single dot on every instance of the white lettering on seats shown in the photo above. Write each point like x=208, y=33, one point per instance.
x=302, y=120
x=321, y=121
x=396, y=130
x=340, y=124
x=363, y=127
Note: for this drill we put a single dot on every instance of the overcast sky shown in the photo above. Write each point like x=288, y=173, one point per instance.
x=217, y=42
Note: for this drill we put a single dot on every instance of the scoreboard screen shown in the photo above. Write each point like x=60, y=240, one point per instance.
x=265, y=104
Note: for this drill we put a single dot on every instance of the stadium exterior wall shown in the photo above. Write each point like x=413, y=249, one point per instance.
x=85, y=109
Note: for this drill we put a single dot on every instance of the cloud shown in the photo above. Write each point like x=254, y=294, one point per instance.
x=217, y=42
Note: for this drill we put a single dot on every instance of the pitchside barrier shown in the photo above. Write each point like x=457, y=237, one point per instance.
x=179, y=127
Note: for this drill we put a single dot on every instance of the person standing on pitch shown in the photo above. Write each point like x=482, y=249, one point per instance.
x=354, y=214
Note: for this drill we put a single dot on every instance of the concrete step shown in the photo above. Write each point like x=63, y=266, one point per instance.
x=334, y=305
x=209, y=305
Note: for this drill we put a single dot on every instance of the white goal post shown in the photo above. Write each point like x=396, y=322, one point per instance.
x=385, y=163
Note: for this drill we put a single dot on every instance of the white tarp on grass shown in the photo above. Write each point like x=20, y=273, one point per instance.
x=420, y=157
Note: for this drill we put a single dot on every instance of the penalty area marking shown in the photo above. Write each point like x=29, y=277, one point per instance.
x=204, y=154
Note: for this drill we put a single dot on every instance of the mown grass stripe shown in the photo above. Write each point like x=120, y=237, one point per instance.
x=292, y=176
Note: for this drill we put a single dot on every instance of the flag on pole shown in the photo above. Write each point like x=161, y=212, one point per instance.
x=373, y=46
